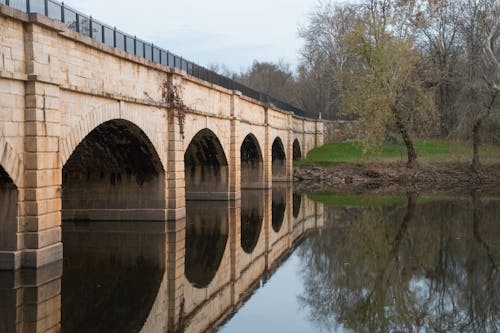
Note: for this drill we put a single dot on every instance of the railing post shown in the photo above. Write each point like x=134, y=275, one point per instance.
x=114, y=37
x=28, y=6
x=46, y=7
x=91, y=28
x=135, y=45
x=62, y=13
x=77, y=25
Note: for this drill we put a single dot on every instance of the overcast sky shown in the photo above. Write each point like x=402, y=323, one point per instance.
x=228, y=32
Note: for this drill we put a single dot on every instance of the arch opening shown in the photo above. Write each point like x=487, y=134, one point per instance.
x=206, y=168
x=278, y=207
x=278, y=160
x=252, y=170
x=8, y=212
x=115, y=173
x=207, y=232
x=252, y=215
x=297, y=152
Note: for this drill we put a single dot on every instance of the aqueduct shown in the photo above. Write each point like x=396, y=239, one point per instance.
x=87, y=133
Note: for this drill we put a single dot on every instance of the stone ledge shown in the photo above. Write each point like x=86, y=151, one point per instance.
x=10, y=260
x=41, y=257
x=132, y=214
x=13, y=75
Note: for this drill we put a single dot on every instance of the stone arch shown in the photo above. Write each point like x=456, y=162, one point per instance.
x=114, y=173
x=206, y=168
x=8, y=214
x=278, y=160
x=105, y=113
x=251, y=163
x=296, y=151
x=11, y=163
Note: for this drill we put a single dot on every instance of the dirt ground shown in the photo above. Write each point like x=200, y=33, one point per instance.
x=394, y=178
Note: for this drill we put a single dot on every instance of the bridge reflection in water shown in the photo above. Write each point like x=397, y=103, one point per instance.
x=186, y=275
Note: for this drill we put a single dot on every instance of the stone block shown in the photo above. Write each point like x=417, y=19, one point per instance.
x=10, y=260
x=32, y=258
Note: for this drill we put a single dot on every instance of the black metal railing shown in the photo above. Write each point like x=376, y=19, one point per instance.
x=113, y=37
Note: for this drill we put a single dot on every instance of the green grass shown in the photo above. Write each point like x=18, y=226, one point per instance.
x=367, y=200
x=427, y=150
x=353, y=200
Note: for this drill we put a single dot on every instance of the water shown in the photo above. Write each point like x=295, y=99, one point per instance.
x=427, y=265
x=274, y=262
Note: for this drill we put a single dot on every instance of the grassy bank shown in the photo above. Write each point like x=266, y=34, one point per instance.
x=427, y=150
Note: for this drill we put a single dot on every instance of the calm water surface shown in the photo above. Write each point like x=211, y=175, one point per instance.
x=275, y=262
x=415, y=264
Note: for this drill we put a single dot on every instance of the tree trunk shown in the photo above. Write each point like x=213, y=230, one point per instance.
x=476, y=141
x=410, y=149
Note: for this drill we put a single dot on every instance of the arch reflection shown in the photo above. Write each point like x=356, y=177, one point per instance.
x=296, y=202
x=278, y=206
x=252, y=214
x=111, y=274
x=207, y=232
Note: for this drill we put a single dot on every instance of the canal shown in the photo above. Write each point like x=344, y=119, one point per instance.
x=276, y=261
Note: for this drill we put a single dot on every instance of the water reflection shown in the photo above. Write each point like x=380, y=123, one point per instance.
x=296, y=201
x=112, y=273
x=278, y=205
x=207, y=231
x=175, y=276
x=252, y=214
x=30, y=299
x=430, y=266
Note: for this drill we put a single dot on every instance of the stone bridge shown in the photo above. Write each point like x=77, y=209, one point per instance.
x=91, y=132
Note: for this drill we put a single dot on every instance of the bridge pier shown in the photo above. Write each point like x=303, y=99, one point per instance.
x=176, y=185
x=40, y=194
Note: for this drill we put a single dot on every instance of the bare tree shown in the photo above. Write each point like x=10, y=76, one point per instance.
x=480, y=29
x=324, y=55
x=274, y=79
x=436, y=25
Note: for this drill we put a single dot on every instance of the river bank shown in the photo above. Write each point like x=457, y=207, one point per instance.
x=393, y=177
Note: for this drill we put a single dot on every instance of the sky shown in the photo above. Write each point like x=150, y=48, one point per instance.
x=233, y=33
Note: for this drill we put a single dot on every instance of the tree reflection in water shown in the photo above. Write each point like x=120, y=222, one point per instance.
x=425, y=267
